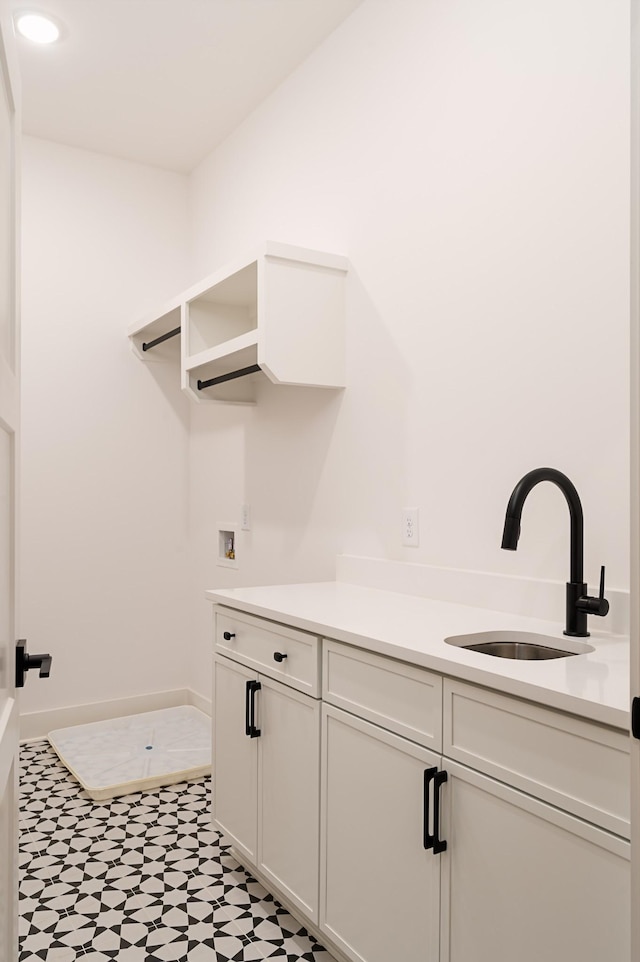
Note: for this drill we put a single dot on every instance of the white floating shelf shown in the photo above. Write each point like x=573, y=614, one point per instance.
x=281, y=309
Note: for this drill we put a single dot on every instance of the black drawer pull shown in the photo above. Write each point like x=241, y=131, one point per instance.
x=429, y=840
x=228, y=635
x=250, y=729
x=279, y=656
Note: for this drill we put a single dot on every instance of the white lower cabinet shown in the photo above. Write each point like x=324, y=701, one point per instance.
x=266, y=746
x=495, y=832
x=517, y=878
x=523, y=880
x=380, y=887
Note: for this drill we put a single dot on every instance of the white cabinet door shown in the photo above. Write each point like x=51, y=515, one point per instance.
x=379, y=886
x=235, y=768
x=9, y=451
x=523, y=880
x=266, y=787
x=289, y=792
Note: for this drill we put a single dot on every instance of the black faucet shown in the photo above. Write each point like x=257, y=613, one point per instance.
x=579, y=603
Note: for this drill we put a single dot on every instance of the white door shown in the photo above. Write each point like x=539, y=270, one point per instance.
x=9, y=412
x=635, y=465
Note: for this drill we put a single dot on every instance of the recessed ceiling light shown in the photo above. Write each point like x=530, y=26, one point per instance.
x=37, y=27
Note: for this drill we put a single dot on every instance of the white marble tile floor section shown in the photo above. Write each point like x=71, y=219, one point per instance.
x=140, y=878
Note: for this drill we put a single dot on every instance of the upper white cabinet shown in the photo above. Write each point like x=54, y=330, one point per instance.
x=278, y=313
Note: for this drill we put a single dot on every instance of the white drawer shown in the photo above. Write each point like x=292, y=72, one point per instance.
x=578, y=765
x=399, y=697
x=254, y=642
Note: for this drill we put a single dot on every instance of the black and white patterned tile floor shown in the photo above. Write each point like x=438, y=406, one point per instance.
x=142, y=878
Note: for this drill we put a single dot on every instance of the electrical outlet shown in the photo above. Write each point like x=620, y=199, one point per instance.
x=245, y=517
x=410, y=527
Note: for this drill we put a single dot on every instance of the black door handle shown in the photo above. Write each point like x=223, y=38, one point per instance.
x=250, y=729
x=279, y=656
x=430, y=840
x=228, y=635
x=25, y=661
x=635, y=717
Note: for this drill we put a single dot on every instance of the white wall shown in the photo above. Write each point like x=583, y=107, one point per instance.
x=104, y=550
x=472, y=160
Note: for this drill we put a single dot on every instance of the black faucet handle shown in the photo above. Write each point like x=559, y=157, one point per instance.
x=595, y=606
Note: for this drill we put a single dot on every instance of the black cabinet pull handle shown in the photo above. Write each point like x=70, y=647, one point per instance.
x=255, y=686
x=250, y=729
x=228, y=635
x=247, y=710
x=279, y=656
x=427, y=838
x=430, y=840
x=439, y=844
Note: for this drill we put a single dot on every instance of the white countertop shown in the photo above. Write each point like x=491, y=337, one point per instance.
x=413, y=629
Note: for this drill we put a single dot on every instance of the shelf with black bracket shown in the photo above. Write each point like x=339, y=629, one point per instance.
x=157, y=337
x=277, y=314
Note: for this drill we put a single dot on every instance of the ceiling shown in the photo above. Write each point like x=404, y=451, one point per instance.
x=162, y=82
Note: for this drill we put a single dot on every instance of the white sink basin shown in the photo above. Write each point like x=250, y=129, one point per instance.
x=520, y=645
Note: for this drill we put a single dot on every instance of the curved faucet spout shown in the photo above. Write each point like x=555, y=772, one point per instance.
x=514, y=512
x=579, y=603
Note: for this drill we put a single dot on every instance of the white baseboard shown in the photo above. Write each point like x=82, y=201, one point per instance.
x=531, y=597
x=34, y=726
x=199, y=701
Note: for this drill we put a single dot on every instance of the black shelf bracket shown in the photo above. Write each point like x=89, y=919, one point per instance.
x=147, y=345
x=253, y=369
